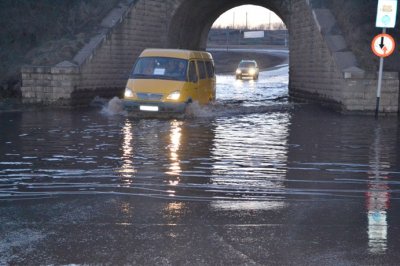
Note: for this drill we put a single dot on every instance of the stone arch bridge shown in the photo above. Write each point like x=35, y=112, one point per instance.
x=322, y=68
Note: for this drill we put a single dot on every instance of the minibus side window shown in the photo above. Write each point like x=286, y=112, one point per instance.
x=202, y=69
x=210, y=69
x=192, y=72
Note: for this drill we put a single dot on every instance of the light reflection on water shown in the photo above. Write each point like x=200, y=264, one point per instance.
x=378, y=197
x=175, y=142
x=127, y=169
x=248, y=205
x=241, y=154
x=256, y=151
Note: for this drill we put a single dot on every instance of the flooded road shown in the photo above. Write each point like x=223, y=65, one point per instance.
x=253, y=179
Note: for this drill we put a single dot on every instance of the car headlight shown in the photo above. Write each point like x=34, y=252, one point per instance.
x=238, y=71
x=174, y=96
x=128, y=93
x=252, y=71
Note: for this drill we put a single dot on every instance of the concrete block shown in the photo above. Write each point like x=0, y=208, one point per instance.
x=56, y=83
x=390, y=109
x=25, y=75
x=85, y=53
x=324, y=19
x=353, y=72
x=27, y=69
x=336, y=43
x=66, y=64
x=345, y=60
x=28, y=82
x=67, y=83
x=390, y=75
x=115, y=16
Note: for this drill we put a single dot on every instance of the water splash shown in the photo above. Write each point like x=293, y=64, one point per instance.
x=114, y=107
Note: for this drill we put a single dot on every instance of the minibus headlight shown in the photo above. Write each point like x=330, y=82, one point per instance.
x=238, y=71
x=128, y=93
x=174, y=96
x=252, y=71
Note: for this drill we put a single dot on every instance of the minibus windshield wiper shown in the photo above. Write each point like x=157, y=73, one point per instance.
x=173, y=78
x=141, y=76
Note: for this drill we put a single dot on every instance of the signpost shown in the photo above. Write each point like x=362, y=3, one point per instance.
x=383, y=44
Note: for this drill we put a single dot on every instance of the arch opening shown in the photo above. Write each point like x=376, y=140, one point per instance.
x=247, y=26
x=192, y=21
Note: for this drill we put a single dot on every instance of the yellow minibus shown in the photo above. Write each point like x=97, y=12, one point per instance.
x=167, y=80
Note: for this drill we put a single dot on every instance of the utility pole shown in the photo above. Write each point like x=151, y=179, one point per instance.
x=269, y=25
x=246, y=21
x=286, y=38
x=227, y=38
x=233, y=26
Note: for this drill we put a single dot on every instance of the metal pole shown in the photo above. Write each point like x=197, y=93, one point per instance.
x=227, y=39
x=233, y=26
x=269, y=25
x=379, y=89
x=378, y=92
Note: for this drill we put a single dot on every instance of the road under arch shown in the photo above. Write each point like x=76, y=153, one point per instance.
x=321, y=68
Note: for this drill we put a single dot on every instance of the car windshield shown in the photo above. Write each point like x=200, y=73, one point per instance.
x=247, y=64
x=160, y=68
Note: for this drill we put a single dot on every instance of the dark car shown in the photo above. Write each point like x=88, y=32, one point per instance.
x=247, y=68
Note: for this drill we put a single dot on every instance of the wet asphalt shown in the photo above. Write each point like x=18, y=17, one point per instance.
x=254, y=179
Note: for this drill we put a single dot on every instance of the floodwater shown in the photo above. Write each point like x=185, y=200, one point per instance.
x=253, y=179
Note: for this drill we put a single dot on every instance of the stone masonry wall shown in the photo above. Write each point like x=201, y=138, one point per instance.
x=106, y=73
x=312, y=72
x=46, y=85
x=359, y=95
x=324, y=70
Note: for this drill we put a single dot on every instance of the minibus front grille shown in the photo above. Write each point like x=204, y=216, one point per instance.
x=149, y=96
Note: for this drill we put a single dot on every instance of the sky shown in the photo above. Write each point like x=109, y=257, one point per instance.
x=256, y=15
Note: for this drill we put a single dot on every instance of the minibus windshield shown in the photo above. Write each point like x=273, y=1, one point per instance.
x=247, y=64
x=160, y=68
